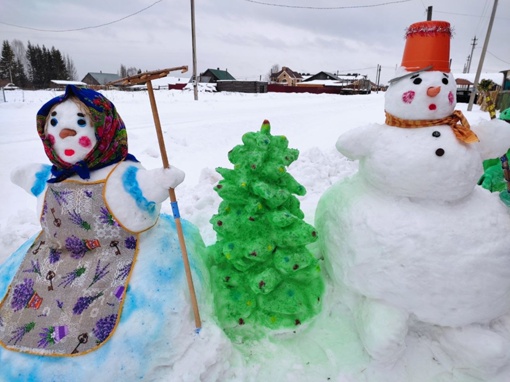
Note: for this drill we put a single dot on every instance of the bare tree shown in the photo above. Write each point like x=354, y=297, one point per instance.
x=274, y=69
x=131, y=71
x=71, y=69
x=20, y=52
x=123, y=71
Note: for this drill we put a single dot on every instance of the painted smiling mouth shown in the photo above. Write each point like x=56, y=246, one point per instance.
x=69, y=152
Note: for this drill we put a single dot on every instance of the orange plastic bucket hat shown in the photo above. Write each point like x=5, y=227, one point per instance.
x=428, y=44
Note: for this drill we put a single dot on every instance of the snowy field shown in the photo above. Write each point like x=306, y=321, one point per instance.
x=198, y=136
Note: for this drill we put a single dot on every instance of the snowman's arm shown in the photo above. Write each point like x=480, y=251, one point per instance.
x=153, y=184
x=32, y=177
x=494, y=138
x=134, y=194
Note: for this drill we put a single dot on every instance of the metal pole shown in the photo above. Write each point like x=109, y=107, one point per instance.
x=194, y=49
x=482, y=57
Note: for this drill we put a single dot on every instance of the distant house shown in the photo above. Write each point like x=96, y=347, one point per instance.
x=354, y=83
x=286, y=76
x=215, y=75
x=323, y=76
x=100, y=78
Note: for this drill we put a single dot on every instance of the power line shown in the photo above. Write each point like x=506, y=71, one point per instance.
x=83, y=28
x=482, y=16
x=467, y=15
x=493, y=55
x=326, y=8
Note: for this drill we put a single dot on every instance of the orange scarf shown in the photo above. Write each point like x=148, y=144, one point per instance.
x=456, y=120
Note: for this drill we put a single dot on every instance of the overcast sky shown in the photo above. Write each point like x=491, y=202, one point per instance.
x=247, y=37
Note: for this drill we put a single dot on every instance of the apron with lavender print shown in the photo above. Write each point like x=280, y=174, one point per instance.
x=66, y=297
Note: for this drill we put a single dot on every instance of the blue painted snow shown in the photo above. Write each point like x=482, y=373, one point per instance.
x=150, y=322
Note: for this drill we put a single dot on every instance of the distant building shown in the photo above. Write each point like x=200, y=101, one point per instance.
x=242, y=86
x=465, y=86
x=100, y=78
x=323, y=76
x=215, y=75
x=351, y=83
x=286, y=76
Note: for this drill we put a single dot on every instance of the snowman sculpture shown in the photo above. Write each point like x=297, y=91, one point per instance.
x=410, y=239
x=97, y=207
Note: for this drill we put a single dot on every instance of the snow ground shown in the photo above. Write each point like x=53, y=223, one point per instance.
x=198, y=136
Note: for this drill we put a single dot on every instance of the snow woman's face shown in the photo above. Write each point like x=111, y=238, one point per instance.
x=70, y=131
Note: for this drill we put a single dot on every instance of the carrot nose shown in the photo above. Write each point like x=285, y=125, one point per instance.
x=64, y=133
x=433, y=91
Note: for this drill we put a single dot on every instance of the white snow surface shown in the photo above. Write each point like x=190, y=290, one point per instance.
x=198, y=136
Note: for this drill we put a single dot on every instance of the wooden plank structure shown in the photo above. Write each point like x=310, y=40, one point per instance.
x=242, y=86
x=146, y=78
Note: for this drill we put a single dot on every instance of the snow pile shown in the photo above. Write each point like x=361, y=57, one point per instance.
x=199, y=136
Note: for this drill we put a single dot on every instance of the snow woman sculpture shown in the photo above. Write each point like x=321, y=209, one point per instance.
x=411, y=238
x=99, y=284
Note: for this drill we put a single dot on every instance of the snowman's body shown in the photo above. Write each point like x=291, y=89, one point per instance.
x=411, y=235
x=414, y=252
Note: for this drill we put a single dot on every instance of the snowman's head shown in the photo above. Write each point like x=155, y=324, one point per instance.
x=424, y=95
x=81, y=131
x=70, y=131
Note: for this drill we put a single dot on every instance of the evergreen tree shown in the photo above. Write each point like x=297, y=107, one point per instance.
x=45, y=65
x=18, y=75
x=35, y=65
x=7, y=62
x=58, y=69
x=261, y=271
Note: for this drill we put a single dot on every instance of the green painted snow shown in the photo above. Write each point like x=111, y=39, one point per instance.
x=262, y=274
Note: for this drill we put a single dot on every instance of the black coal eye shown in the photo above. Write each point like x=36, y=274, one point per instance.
x=82, y=122
x=53, y=113
x=436, y=134
x=417, y=81
x=445, y=81
x=53, y=122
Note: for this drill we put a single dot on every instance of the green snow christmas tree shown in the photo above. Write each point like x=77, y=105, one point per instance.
x=262, y=273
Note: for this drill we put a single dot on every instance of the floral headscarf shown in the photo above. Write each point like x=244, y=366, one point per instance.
x=111, y=146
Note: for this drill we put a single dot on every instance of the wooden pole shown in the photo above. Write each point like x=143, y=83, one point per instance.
x=147, y=77
x=175, y=208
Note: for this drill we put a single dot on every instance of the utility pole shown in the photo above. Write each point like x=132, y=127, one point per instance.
x=429, y=13
x=378, y=77
x=470, y=57
x=194, y=49
x=482, y=56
